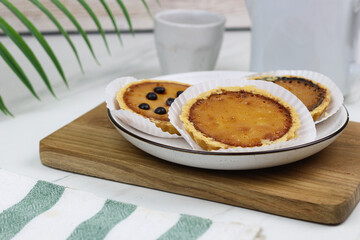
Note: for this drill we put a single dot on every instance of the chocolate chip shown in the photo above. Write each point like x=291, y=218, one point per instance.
x=178, y=93
x=144, y=106
x=169, y=101
x=159, y=90
x=151, y=96
x=160, y=110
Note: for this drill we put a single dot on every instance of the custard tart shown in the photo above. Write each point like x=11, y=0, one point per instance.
x=230, y=117
x=315, y=96
x=151, y=99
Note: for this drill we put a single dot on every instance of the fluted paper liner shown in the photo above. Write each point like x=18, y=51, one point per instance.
x=130, y=118
x=336, y=98
x=306, y=132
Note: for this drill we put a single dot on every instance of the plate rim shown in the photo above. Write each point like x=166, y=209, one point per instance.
x=192, y=151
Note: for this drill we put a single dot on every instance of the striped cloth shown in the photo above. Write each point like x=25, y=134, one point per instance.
x=32, y=209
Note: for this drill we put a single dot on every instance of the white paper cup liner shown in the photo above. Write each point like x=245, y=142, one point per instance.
x=306, y=132
x=130, y=118
x=336, y=98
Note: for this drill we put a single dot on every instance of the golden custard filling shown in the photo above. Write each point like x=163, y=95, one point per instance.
x=239, y=117
x=151, y=99
x=315, y=96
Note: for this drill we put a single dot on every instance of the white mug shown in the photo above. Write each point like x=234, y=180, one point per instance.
x=188, y=40
x=312, y=35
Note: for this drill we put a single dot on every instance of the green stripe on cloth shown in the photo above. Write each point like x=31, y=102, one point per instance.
x=41, y=197
x=188, y=227
x=100, y=224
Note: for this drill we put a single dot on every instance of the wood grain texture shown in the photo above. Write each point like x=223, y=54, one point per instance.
x=234, y=10
x=323, y=188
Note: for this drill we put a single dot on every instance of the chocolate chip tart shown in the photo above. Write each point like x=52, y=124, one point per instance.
x=151, y=99
x=315, y=96
x=230, y=117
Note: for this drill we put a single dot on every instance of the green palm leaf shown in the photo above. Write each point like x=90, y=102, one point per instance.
x=60, y=27
x=76, y=24
x=147, y=8
x=96, y=21
x=38, y=36
x=4, y=109
x=24, y=47
x=11, y=62
x=112, y=19
x=127, y=16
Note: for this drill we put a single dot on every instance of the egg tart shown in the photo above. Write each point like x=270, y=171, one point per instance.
x=151, y=99
x=315, y=96
x=230, y=117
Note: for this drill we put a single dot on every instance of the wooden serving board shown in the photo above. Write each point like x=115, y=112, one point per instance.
x=323, y=188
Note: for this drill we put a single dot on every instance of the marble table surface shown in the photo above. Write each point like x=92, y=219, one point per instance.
x=34, y=120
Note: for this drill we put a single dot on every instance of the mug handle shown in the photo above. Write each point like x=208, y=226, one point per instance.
x=356, y=30
x=354, y=71
x=354, y=68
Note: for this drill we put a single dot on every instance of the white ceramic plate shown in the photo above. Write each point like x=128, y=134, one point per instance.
x=177, y=150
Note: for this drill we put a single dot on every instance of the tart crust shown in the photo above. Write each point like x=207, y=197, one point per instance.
x=208, y=142
x=310, y=89
x=130, y=96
